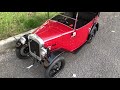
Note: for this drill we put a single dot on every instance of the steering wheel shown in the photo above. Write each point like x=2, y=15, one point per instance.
x=64, y=21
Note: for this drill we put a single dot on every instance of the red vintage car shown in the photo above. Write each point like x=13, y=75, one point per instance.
x=66, y=31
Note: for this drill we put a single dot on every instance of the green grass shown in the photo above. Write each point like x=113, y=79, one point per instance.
x=13, y=23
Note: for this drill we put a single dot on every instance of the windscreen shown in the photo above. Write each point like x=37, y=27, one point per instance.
x=67, y=18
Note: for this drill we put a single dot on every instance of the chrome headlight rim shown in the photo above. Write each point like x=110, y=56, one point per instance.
x=23, y=40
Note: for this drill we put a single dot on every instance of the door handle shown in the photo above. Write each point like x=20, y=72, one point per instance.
x=73, y=34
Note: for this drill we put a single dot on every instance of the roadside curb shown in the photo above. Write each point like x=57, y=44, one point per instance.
x=10, y=42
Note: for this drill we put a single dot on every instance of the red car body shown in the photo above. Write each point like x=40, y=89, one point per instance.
x=59, y=36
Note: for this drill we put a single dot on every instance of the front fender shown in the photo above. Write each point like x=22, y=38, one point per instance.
x=55, y=55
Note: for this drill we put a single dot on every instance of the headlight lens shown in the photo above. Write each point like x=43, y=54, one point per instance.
x=22, y=40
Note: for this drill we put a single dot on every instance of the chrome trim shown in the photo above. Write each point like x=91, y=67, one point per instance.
x=43, y=52
x=23, y=40
x=36, y=38
x=39, y=41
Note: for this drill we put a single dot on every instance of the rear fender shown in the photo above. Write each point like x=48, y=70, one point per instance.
x=95, y=25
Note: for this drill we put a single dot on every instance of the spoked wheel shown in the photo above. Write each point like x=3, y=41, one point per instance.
x=92, y=34
x=22, y=52
x=55, y=68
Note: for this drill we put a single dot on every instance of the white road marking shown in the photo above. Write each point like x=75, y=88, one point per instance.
x=29, y=66
x=113, y=31
x=74, y=75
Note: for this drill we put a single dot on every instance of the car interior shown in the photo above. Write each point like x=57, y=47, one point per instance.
x=68, y=18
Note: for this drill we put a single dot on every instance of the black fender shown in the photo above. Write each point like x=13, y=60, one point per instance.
x=92, y=32
x=95, y=25
x=54, y=55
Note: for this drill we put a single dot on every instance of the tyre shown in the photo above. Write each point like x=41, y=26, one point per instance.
x=92, y=34
x=55, y=67
x=22, y=52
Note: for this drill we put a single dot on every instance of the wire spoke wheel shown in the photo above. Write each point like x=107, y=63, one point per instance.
x=24, y=50
x=55, y=69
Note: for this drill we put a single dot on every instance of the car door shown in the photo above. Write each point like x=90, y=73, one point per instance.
x=80, y=38
x=81, y=35
x=77, y=38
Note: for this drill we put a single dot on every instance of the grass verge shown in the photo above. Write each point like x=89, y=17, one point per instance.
x=13, y=23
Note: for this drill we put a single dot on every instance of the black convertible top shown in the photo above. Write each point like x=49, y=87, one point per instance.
x=73, y=14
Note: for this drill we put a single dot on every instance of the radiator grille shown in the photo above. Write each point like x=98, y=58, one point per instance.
x=34, y=47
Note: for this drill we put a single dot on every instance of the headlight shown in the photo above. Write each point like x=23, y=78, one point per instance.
x=43, y=52
x=22, y=40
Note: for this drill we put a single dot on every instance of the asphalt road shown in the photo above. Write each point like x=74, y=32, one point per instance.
x=99, y=59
